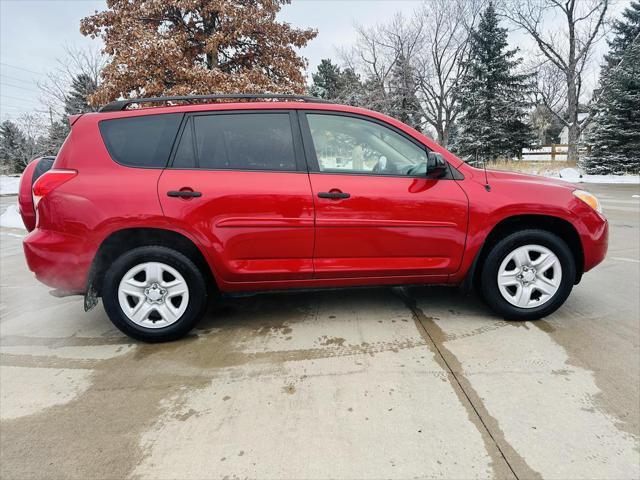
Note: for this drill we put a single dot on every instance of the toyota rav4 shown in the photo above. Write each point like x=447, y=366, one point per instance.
x=155, y=208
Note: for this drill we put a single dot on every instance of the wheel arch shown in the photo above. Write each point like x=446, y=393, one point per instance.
x=121, y=241
x=556, y=225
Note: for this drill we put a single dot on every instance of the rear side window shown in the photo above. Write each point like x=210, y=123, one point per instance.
x=244, y=141
x=141, y=141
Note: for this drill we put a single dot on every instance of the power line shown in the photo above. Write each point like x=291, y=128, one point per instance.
x=21, y=68
x=15, y=78
x=4, y=107
x=10, y=105
x=21, y=99
x=18, y=86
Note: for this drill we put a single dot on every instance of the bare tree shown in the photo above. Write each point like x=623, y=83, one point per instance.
x=440, y=64
x=433, y=42
x=55, y=89
x=376, y=53
x=32, y=126
x=567, y=48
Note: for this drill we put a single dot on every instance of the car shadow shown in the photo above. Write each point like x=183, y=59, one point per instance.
x=271, y=310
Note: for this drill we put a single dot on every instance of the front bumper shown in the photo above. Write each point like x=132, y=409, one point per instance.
x=595, y=240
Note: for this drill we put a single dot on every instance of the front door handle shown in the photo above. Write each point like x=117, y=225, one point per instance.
x=333, y=195
x=183, y=193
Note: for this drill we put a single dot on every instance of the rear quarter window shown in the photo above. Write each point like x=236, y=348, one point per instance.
x=141, y=141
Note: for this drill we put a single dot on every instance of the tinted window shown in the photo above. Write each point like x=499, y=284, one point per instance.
x=141, y=141
x=354, y=145
x=249, y=141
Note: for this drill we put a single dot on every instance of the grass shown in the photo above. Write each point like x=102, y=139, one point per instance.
x=524, y=166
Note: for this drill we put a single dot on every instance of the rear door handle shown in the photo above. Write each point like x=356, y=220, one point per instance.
x=183, y=193
x=333, y=195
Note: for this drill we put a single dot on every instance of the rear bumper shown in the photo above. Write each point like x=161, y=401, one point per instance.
x=58, y=260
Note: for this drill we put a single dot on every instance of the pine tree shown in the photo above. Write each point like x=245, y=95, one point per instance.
x=493, y=96
x=624, y=33
x=333, y=83
x=77, y=100
x=350, y=88
x=614, y=137
x=326, y=81
x=14, y=151
x=50, y=143
x=404, y=104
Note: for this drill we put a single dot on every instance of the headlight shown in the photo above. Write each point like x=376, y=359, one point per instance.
x=589, y=199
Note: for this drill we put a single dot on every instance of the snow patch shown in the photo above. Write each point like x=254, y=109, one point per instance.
x=569, y=173
x=9, y=184
x=11, y=218
x=575, y=176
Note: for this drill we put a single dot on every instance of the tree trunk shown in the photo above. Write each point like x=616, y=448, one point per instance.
x=572, y=114
x=441, y=135
x=444, y=140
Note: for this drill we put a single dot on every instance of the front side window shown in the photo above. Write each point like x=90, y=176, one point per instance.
x=354, y=145
x=243, y=141
x=143, y=141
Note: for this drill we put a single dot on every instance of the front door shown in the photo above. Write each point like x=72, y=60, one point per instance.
x=377, y=214
x=238, y=181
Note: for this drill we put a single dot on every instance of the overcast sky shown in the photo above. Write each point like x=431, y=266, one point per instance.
x=33, y=34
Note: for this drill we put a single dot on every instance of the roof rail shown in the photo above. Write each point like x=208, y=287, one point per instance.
x=120, y=105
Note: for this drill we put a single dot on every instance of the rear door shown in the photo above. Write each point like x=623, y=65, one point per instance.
x=377, y=214
x=238, y=181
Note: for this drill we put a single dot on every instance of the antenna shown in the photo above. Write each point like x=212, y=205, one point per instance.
x=487, y=187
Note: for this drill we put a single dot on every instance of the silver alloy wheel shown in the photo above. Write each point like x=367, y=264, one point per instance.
x=153, y=295
x=529, y=276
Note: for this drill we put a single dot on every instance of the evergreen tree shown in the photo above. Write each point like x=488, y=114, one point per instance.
x=493, y=96
x=351, y=89
x=404, y=104
x=614, y=137
x=14, y=151
x=341, y=86
x=624, y=33
x=50, y=143
x=77, y=100
x=326, y=81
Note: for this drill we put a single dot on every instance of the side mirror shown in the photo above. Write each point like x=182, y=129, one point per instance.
x=436, y=165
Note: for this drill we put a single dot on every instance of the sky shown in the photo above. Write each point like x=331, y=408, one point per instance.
x=33, y=34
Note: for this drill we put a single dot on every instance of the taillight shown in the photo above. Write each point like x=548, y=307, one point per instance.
x=49, y=181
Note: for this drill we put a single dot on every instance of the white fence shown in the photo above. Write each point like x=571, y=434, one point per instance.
x=547, y=153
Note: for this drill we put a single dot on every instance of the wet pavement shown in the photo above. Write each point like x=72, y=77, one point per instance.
x=362, y=383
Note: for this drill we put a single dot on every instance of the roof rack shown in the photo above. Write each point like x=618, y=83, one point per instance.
x=120, y=105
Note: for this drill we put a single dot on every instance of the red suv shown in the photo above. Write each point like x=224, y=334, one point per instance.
x=155, y=208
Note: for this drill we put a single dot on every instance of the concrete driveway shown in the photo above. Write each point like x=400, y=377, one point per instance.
x=368, y=383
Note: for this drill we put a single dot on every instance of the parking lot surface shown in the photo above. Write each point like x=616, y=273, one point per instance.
x=364, y=383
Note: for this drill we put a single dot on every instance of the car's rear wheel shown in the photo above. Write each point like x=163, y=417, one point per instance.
x=528, y=275
x=154, y=294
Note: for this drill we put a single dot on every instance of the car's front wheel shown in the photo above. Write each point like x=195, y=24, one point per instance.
x=154, y=294
x=528, y=275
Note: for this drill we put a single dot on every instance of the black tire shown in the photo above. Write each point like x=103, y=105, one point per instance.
x=192, y=275
x=489, y=276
